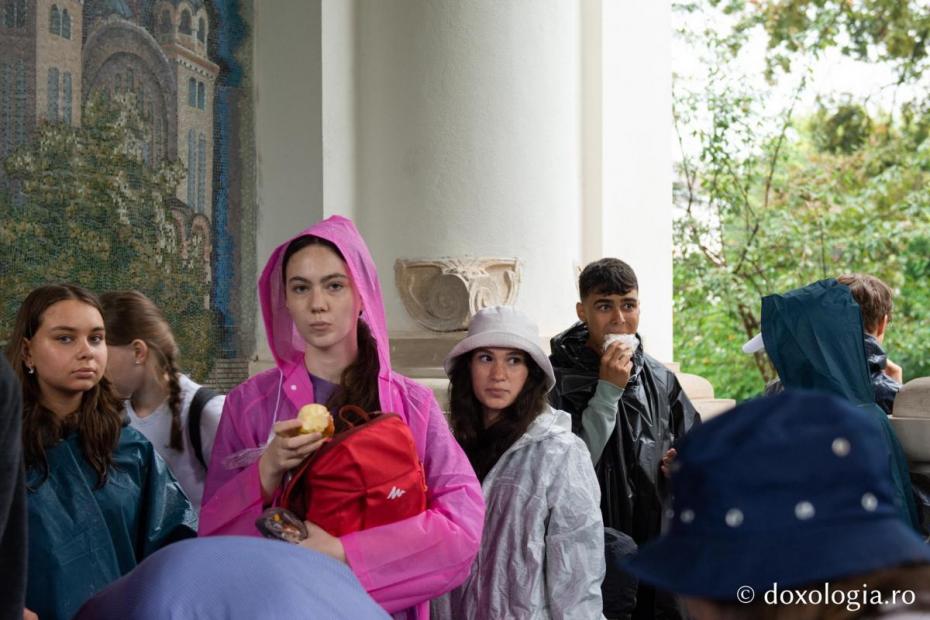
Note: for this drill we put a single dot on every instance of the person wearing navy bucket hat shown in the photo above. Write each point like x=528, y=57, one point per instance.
x=783, y=508
x=542, y=553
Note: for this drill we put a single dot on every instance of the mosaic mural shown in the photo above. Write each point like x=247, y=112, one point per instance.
x=127, y=151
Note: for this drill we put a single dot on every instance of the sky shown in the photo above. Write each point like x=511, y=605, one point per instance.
x=833, y=75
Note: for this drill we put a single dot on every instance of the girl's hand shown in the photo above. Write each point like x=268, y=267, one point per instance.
x=322, y=541
x=286, y=451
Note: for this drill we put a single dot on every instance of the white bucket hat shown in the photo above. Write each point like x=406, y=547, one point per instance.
x=503, y=327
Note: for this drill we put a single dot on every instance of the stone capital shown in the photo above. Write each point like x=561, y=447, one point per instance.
x=442, y=294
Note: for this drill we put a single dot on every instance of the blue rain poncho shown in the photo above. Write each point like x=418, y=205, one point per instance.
x=82, y=538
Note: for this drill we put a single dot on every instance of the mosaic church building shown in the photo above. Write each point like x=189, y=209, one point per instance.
x=57, y=54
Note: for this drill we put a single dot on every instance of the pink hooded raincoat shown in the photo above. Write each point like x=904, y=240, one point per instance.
x=402, y=565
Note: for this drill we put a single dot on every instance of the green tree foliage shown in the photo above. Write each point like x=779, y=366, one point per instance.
x=94, y=213
x=841, y=130
x=771, y=201
x=897, y=31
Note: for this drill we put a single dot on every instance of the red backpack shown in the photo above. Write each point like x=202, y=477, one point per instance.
x=363, y=477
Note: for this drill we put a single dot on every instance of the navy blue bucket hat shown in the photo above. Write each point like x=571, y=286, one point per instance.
x=794, y=489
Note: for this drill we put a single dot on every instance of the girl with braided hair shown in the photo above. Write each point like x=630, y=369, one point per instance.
x=143, y=368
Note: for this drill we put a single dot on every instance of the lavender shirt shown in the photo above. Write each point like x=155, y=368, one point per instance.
x=322, y=389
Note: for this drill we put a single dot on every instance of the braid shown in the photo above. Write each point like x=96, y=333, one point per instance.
x=174, y=403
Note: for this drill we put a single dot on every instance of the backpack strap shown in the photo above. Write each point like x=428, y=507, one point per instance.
x=201, y=397
x=360, y=416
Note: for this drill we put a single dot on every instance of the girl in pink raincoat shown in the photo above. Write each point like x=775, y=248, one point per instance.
x=324, y=318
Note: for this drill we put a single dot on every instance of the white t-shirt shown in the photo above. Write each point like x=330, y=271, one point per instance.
x=157, y=428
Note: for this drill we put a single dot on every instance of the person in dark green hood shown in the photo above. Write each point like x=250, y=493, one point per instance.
x=814, y=337
x=99, y=499
x=627, y=407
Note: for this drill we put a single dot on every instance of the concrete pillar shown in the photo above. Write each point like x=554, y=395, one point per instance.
x=468, y=141
x=288, y=128
x=339, y=99
x=627, y=154
x=538, y=130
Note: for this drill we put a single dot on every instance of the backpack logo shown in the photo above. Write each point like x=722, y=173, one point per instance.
x=395, y=493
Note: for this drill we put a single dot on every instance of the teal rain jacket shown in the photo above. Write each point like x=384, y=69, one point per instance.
x=82, y=538
x=814, y=336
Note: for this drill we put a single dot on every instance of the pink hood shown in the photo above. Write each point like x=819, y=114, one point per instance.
x=286, y=343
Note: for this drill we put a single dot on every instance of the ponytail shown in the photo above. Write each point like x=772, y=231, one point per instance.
x=359, y=382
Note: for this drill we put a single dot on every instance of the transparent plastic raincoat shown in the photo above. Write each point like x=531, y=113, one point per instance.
x=543, y=551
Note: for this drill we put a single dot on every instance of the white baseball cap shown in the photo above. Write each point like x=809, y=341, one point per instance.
x=754, y=344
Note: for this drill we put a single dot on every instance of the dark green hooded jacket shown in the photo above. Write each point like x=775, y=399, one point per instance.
x=813, y=336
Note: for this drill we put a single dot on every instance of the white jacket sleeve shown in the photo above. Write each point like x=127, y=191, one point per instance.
x=209, y=424
x=575, y=563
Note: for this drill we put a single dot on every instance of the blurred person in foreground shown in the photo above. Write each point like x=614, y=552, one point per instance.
x=235, y=578
x=12, y=497
x=789, y=493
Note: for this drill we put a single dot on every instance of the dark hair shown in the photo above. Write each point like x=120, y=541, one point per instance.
x=98, y=421
x=130, y=315
x=608, y=276
x=484, y=446
x=358, y=384
x=873, y=296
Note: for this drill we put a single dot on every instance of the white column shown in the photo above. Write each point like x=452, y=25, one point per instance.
x=339, y=107
x=522, y=128
x=628, y=163
x=288, y=128
x=468, y=141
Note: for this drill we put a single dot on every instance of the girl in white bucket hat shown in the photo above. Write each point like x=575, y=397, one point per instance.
x=542, y=553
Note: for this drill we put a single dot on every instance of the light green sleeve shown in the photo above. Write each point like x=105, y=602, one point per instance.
x=599, y=418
